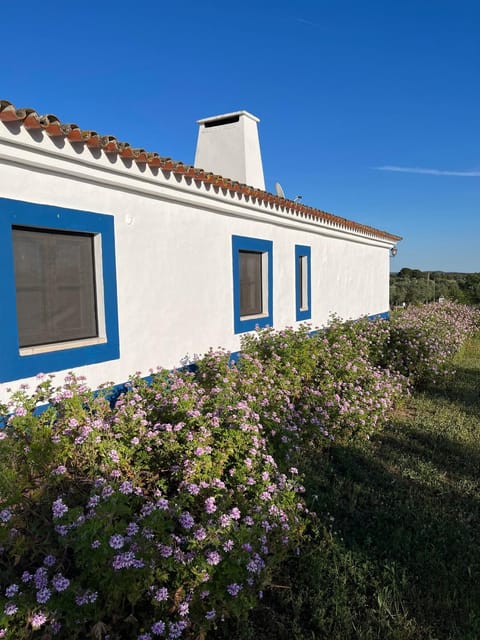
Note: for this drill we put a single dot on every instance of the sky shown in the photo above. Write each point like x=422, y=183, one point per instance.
x=368, y=110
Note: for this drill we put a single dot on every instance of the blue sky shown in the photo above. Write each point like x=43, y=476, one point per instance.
x=369, y=110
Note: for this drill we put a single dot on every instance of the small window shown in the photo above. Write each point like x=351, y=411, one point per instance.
x=252, y=283
x=303, y=269
x=55, y=286
x=251, y=298
x=302, y=283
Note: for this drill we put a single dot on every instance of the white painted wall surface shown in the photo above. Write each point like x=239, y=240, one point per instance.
x=174, y=256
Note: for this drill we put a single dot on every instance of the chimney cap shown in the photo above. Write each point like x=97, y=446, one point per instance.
x=228, y=116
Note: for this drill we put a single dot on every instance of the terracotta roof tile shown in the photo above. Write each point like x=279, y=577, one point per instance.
x=30, y=119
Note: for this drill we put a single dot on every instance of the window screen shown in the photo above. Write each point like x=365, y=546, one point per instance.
x=55, y=286
x=251, y=299
x=303, y=274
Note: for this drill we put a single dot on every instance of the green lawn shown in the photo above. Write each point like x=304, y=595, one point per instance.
x=400, y=557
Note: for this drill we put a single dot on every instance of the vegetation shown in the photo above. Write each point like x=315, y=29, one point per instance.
x=282, y=486
x=395, y=551
x=412, y=286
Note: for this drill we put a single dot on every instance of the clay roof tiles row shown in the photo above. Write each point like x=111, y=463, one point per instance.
x=53, y=127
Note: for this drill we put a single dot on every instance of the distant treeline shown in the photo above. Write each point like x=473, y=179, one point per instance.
x=412, y=286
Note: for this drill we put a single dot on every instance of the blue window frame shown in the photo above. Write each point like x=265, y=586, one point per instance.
x=252, y=283
x=20, y=362
x=303, y=283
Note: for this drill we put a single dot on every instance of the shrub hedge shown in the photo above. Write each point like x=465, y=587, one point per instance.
x=164, y=512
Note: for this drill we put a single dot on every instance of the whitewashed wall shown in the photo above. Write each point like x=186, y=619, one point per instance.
x=174, y=252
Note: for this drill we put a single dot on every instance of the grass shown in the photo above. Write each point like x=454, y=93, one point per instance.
x=396, y=551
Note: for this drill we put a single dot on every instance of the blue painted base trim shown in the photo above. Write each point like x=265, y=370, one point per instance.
x=385, y=315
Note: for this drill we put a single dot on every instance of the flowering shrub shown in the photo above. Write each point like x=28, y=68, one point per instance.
x=154, y=518
x=162, y=514
x=254, y=388
x=337, y=392
x=424, y=339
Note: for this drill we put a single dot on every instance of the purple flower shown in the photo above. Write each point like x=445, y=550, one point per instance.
x=59, y=508
x=158, y=628
x=144, y=636
x=60, y=583
x=200, y=534
x=38, y=620
x=234, y=589
x=132, y=529
x=176, y=629
x=60, y=470
x=194, y=489
x=161, y=594
x=89, y=597
x=162, y=504
x=210, y=615
x=210, y=506
x=114, y=455
x=126, y=487
x=5, y=515
x=225, y=520
x=49, y=561
x=94, y=500
x=41, y=578
x=235, y=513
x=116, y=541
x=126, y=561
x=43, y=595
x=11, y=609
x=62, y=529
x=107, y=491
x=213, y=557
x=256, y=564
x=186, y=520
x=11, y=591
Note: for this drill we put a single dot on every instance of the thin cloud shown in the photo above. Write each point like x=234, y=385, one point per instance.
x=430, y=172
x=309, y=22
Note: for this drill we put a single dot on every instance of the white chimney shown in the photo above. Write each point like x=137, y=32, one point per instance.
x=228, y=145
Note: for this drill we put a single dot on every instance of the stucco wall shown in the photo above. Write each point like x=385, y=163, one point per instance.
x=174, y=252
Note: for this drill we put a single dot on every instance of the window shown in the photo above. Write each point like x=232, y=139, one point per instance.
x=59, y=279
x=55, y=286
x=303, y=285
x=252, y=283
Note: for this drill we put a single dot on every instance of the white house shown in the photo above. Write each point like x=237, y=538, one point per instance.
x=116, y=260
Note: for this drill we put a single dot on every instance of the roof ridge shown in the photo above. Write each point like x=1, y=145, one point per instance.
x=52, y=125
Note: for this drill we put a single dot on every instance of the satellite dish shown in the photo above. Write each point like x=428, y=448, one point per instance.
x=279, y=190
